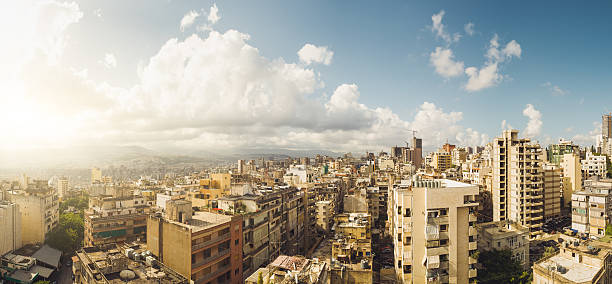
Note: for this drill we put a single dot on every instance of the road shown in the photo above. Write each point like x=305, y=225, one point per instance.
x=65, y=274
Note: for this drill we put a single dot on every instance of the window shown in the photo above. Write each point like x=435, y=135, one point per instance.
x=399, y=237
x=407, y=268
x=408, y=240
x=399, y=264
x=443, y=242
x=236, y=242
x=443, y=228
x=444, y=257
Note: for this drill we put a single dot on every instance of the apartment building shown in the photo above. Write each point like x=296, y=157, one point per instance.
x=62, y=186
x=447, y=211
x=39, y=207
x=555, y=152
x=121, y=264
x=10, y=227
x=202, y=246
x=325, y=215
x=577, y=262
x=517, y=186
x=262, y=220
x=286, y=269
x=505, y=235
x=115, y=219
x=441, y=161
x=351, y=249
x=592, y=207
x=594, y=165
x=572, y=177
x=552, y=191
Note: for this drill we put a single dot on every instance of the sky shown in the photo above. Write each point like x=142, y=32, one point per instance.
x=331, y=75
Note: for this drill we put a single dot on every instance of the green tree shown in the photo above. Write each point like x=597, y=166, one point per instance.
x=549, y=251
x=42, y=282
x=499, y=267
x=68, y=235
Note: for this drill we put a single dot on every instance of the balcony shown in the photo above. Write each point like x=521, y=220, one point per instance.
x=472, y=231
x=218, y=239
x=220, y=271
x=472, y=273
x=472, y=246
x=472, y=218
x=211, y=258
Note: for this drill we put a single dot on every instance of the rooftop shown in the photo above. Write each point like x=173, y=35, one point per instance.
x=576, y=272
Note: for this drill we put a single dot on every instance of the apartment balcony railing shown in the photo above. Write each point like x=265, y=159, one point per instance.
x=218, y=239
x=220, y=271
x=211, y=258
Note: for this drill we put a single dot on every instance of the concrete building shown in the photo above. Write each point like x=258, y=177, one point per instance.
x=555, y=152
x=440, y=252
x=412, y=154
x=204, y=247
x=62, y=186
x=505, y=235
x=517, y=186
x=552, y=191
x=39, y=206
x=572, y=177
x=325, y=215
x=441, y=161
x=594, y=165
x=121, y=264
x=286, y=269
x=96, y=175
x=241, y=167
x=10, y=227
x=592, y=207
x=576, y=262
x=351, y=249
x=115, y=219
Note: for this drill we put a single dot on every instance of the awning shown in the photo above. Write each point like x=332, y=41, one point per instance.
x=48, y=255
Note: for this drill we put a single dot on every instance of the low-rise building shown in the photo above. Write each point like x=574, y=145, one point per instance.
x=592, y=207
x=292, y=269
x=121, y=264
x=594, y=165
x=505, y=235
x=115, y=219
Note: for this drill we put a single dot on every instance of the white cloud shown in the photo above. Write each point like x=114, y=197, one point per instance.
x=589, y=138
x=109, y=61
x=189, y=19
x=310, y=53
x=489, y=75
x=505, y=125
x=439, y=29
x=213, y=15
x=555, y=90
x=469, y=28
x=443, y=60
x=534, y=125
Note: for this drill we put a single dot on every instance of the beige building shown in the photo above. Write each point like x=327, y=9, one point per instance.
x=552, y=191
x=204, y=247
x=39, y=206
x=441, y=160
x=594, y=165
x=441, y=252
x=115, y=219
x=62, y=186
x=10, y=227
x=576, y=262
x=325, y=215
x=96, y=175
x=505, y=235
x=517, y=186
x=592, y=207
x=572, y=177
x=285, y=269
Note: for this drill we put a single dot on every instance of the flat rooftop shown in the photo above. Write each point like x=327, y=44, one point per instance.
x=576, y=272
x=203, y=220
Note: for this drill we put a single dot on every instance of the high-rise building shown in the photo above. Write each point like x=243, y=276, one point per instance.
x=412, y=154
x=10, y=227
x=552, y=191
x=555, y=152
x=241, y=167
x=441, y=160
x=572, y=177
x=606, y=125
x=517, y=184
x=433, y=231
x=62, y=186
x=96, y=175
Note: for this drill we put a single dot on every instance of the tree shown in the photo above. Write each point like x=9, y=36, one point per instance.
x=499, y=267
x=609, y=230
x=42, y=282
x=68, y=235
x=549, y=251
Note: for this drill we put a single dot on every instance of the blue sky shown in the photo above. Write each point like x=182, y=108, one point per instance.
x=384, y=50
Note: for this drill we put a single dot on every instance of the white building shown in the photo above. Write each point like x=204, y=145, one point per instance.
x=39, y=213
x=10, y=227
x=594, y=165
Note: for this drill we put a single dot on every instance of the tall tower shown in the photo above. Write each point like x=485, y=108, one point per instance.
x=606, y=126
x=517, y=186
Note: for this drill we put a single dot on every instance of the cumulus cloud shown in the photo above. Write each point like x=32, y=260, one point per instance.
x=554, y=89
x=109, y=61
x=489, y=75
x=97, y=12
x=310, y=53
x=590, y=138
x=534, y=125
x=505, y=125
x=189, y=19
x=443, y=60
x=469, y=28
x=213, y=15
x=215, y=92
x=439, y=29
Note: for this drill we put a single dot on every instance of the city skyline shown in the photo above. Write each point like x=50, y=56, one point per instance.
x=310, y=76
